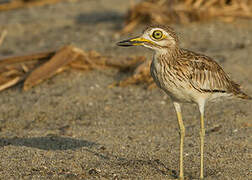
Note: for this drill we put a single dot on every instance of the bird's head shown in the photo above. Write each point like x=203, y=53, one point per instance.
x=158, y=38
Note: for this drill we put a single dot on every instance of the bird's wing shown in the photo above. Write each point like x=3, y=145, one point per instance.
x=205, y=75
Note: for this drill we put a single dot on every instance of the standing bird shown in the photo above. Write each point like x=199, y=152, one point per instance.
x=185, y=76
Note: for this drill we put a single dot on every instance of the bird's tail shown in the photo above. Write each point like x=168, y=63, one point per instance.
x=242, y=95
x=238, y=92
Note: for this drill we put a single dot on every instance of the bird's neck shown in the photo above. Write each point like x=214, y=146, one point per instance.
x=168, y=54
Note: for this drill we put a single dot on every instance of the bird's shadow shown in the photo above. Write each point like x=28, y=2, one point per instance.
x=47, y=142
x=54, y=142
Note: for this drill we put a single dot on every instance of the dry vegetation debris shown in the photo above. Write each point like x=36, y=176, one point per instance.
x=141, y=75
x=38, y=67
x=185, y=11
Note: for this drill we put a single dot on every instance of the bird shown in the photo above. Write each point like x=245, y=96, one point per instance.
x=185, y=76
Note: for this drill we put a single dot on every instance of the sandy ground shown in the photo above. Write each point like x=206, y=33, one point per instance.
x=75, y=127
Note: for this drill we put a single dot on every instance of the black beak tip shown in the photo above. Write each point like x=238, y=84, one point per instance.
x=125, y=43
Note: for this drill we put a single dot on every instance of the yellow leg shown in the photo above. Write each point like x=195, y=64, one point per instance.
x=182, y=135
x=202, y=135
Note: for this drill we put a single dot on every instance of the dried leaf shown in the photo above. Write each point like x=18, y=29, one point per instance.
x=64, y=56
x=21, y=59
x=10, y=83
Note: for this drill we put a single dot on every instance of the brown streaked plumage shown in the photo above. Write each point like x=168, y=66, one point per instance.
x=185, y=76
x=201, y=73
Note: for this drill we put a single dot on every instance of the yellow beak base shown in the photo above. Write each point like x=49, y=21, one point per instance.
x=132, y=42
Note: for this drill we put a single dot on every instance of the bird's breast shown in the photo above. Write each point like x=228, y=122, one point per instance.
x=165, y=77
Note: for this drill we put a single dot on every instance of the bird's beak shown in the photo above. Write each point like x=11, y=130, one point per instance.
x=132, y=42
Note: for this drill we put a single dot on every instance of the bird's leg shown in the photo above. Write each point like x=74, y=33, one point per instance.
x=202, y=135
x=182, y=135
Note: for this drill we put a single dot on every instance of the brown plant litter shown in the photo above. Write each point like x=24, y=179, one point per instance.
x=185, y=11
x=141, y=75
x=38, y=67
x=55, y=65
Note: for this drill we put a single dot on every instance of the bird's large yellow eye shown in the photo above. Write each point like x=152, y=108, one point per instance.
x=157, y=34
